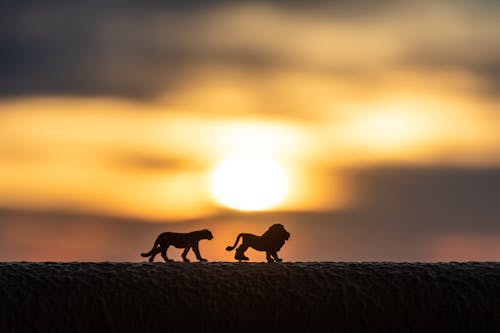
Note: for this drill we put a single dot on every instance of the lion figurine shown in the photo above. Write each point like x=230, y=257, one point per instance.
x=187, y=241
x=271, y=242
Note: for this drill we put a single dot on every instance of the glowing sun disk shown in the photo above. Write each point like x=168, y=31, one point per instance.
x=249, y=182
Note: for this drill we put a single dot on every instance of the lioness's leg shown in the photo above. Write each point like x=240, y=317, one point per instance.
x=268, y=257
x=184, y=254
x=275, y=256
x=164, y=254
x=155, y=252
x=196, y=251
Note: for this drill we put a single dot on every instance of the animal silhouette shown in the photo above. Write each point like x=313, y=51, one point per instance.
x=270, y=242
x=179, y=240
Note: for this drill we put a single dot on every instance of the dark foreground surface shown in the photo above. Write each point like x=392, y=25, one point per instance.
x=242, y=297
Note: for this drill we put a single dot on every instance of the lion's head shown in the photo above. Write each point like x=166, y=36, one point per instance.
x=276, y=236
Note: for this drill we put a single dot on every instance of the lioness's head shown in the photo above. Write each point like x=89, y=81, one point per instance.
x=207, y=234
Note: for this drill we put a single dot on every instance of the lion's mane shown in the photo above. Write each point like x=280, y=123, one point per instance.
x=275, y=237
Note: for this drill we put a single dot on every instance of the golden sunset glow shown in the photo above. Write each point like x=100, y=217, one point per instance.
x=390, y=128
x=249, y=182
x=155, y=164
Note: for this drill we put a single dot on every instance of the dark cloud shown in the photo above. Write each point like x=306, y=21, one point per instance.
x=144, y=161
x=431, y=199
x=140, y=49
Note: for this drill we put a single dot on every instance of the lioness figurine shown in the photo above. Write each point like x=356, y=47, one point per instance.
x=186, y=241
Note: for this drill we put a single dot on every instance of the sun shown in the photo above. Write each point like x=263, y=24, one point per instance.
x=249, y=182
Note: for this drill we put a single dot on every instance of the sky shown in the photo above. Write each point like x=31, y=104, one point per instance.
x=383, y=119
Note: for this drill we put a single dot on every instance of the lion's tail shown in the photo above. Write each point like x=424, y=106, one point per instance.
x=152, y=250
x=230, y=248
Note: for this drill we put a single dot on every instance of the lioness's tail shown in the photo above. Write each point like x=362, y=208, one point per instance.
x=152, y=250
x=230, y=248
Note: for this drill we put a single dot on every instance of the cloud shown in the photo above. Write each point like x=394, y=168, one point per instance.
x=149, y=161
x=142, y=50
x=428, y=199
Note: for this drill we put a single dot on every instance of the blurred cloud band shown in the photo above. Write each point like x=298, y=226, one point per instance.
x=147, y=49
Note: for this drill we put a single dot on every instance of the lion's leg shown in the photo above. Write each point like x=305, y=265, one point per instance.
x=164, y=254
x=240, y=252
x=268, y=256
x=275, y=256
x=196, y=251
x=184, y=254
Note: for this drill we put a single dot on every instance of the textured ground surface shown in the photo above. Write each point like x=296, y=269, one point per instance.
x=340, y=297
